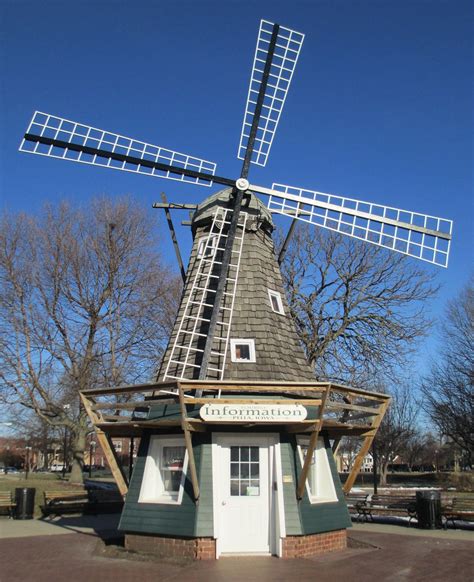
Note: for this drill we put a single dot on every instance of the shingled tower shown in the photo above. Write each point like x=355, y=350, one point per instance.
x=261, y=343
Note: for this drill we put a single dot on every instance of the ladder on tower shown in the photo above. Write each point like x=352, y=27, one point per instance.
x=186, y=354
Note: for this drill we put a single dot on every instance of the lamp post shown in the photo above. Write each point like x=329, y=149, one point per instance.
x=27, y=462
x=91, y=453
x=375, y=466
x=66, y=407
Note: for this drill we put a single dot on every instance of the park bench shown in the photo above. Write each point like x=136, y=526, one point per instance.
x=461, y=508
x=354, y=501
x=7, y=502
x=387, y=504
x=64, y=501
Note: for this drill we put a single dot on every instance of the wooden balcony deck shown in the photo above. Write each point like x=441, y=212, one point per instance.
x=128, y=411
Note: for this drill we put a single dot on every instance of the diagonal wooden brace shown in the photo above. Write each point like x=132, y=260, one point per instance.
x=189, y=445
x=313, y=441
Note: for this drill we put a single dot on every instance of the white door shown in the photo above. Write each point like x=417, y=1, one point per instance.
x=243, y=494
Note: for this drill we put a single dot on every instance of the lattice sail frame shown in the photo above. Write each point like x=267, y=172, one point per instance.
x=422, y=236
x=72, y=132
x=287, y=51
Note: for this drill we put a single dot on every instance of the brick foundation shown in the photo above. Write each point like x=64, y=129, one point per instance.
x=205, y=548
x=313, y=544
x=189, y=548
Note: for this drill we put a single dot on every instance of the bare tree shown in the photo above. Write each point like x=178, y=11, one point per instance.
x=448, y=388
x=414, y=450
x=358, y=308
x=398, y=428
x=85, y=300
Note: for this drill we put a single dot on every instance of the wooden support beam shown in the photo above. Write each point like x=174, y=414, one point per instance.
x=195, y=426
x=107, y=446
x=173, y=237
x=132, y=388
x=364, y=449
x=335, y=445
x=286, y=242
x=239, y=385
x=174, y=205
x=189, y=445
x=313, y=441
x=308, y=402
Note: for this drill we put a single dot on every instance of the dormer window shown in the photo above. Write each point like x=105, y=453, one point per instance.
x=242, y=350
x=276, y=302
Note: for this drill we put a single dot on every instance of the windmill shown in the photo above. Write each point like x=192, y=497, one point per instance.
x=233, y=302
x=278, y=48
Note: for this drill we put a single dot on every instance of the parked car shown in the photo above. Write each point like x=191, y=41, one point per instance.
x=10, y=470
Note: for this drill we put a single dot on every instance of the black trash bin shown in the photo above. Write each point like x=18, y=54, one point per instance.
x=25, y=502
x=428, y=509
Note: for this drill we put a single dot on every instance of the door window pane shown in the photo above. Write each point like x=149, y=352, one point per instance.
x=245, y=471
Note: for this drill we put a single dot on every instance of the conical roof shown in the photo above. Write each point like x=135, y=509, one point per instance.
x=251, y=204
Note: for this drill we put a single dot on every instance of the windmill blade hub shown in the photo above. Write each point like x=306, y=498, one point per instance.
x=242, y=184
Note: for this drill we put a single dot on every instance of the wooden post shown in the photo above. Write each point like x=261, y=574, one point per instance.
x=173, y=237
x=106, y=443
x=365, y=447
x=313, y=441
x=189, y=444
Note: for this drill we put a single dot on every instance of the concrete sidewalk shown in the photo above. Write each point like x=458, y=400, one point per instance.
x=33, y=551
x=94, y=524
x=441, y=534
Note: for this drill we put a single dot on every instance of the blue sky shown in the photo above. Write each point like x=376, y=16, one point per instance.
x=380, y=108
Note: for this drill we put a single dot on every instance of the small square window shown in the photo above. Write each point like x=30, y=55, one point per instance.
x=242, y=350
x=276, y=302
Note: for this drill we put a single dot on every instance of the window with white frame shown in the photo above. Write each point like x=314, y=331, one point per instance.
x=117, y=446
x=207, y=246
x=276, y=302
x=165, y=471
x=242, y=350
x=319, y=484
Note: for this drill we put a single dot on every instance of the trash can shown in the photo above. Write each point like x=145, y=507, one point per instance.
x=428, y=509
x=25, y=502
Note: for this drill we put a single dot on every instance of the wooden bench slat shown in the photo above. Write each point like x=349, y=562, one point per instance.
x=93, y=500
x=461, y=508
x=387, y=504
x=7, y=502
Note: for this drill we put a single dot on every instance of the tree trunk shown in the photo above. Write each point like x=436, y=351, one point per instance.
x=383, y=473
x=78, y=444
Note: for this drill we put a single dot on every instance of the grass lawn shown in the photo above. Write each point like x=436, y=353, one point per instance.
x=40, y=481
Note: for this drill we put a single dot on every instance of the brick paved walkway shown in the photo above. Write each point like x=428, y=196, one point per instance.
x=79, y=557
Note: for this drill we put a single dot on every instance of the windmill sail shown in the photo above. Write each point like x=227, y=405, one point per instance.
x=418, y=235
x=55, y=137
x=286, y=52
